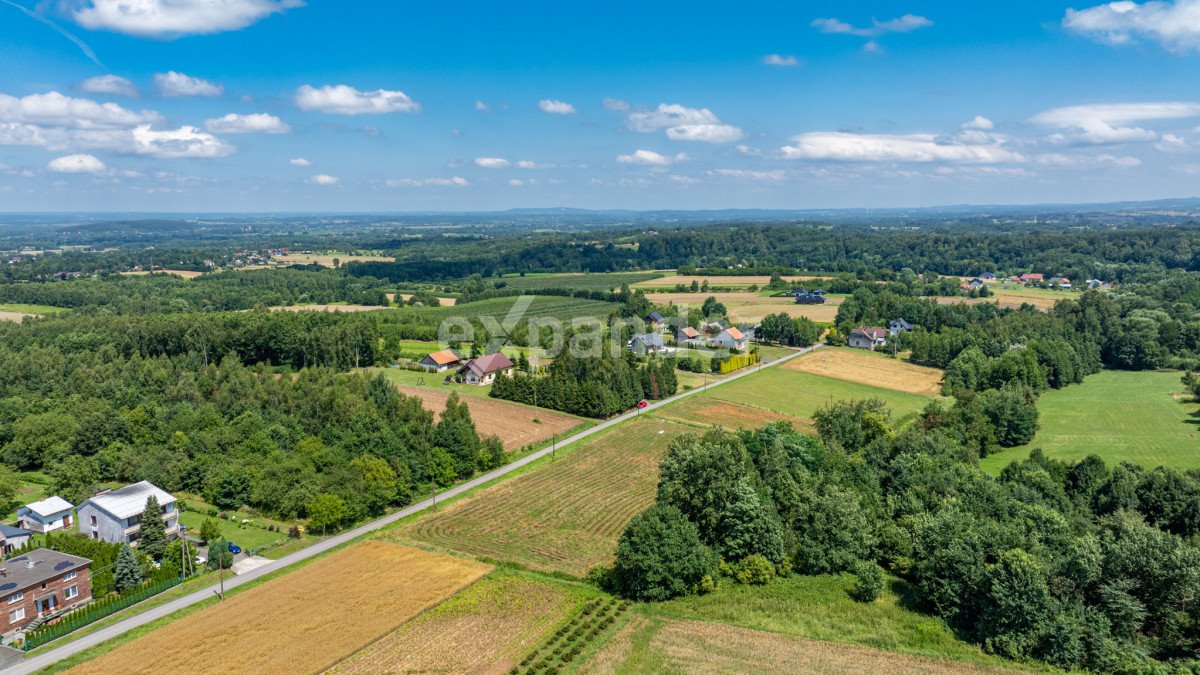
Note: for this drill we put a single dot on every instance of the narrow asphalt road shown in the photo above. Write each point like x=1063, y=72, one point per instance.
x=42, y=660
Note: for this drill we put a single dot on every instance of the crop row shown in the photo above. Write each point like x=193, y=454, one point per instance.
x=566, y=644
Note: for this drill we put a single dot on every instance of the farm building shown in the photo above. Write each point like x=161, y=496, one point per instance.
x=1061, y=282
x=1097, y=284
x=655, y=321
x=442, y=361
x=13, y=538
x=688, y=336
x=814, y=298
x=712, y=327
x=647, y=343
x=47, y=515
x=730, y=338
x=899, y=325
x=483, y=370
x=40, y=585
x=1031, y=278
x=867, y=338
x=988, y=276
x=117, y=516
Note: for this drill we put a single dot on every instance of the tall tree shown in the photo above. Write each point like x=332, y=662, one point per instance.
x=127, y=571
x=153, y=540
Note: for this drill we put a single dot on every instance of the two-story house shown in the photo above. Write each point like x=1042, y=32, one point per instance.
x=41, y=583
x=117, y=516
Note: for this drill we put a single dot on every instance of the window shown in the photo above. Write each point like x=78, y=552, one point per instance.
x=16, y=597
x=69, y=576
x=72, y=592
x=16, y=615
x=93, y=521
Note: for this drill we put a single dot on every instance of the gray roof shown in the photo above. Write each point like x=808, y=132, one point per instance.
x=10, y=532
x=129, y=500
x=31, y=569
x=49, y=506
x=648, y=339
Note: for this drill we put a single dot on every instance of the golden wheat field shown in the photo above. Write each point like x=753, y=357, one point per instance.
x=501, y=617
x=566, y=516
x=747, y=306
x=682, y=646
x=326, y=260
x=302, y=622
x=514, y=424
x=871, y=368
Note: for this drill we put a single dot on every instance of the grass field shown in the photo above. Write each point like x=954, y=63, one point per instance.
x=246, y=536
x=1141, y=417
x=328, y=308
x=588, y=282
x=442, y=301
x=747, y=306
x=543, y=305
x=728, y=281
x=873, y=368
x=778, y=393
x=820, y=608
x=1042, y=298
x=326, y=259
x=565, y=516
x=302, y=621
x=516, y=425
x=17, y=312
x=488, y=627
x=186, y=274
x=665, y=645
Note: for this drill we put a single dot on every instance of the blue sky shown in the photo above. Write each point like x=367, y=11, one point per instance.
x=246, y=105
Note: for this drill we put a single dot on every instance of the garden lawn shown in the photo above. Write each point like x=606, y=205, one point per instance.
x=1140, y=417
x=247, y=536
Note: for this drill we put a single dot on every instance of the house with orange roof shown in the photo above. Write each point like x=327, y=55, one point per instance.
x=441, y=361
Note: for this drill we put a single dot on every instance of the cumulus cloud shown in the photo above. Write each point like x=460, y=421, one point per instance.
x=186, y=141
x=343, y=99
x=1111, y=123
x=324, y=179
x=82, y=163
x=903, y=24
x=492, y=162
x=1173, y=24
x=172, y=18
x=684, y=124
x=651, y=158
x=178, y=85
x=55, y=109
x=299, y=161
x=787, y=61
x=108, y=84
x=454, y=181
x=980, y=123
x=254, y=123
x=851, y=147
x=556, y=107
x=530, y=164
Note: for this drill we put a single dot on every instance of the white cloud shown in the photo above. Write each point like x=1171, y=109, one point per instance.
x=903, y=24
x=299, y=161
x=342, y=99
x=186, y=141
x=254, y=123
x=1109, y=123
x=1173, y=143
x=108, y=84
x=177, y=85
x=482, y=107
x=516, y=182
x=556, y=107
x=980, y=123
x=747, y=150
x=872, y=47
x=324, y=179
x=615, y=104
x=767, y=176
x=170, y=18
x=1086, y=161
x=1173, y=24
x=781, y=60
x=530, y=164
x=455, y=181
x=684, y=124
x=651, y=158
x=492, y=162
x=55, y=109
x=183, y=142
x=683, y=180
x=76, y=164
x=850, y=147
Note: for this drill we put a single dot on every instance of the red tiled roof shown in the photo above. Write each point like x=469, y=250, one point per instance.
x=735, y=333
x=443, y=357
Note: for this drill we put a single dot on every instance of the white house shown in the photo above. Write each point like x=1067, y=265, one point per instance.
x=867, y=338
x=730, y=338
x=48, y=515
x=485, y=369
x=117, y=516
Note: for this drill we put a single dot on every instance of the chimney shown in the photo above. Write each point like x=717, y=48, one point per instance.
x=3, y=571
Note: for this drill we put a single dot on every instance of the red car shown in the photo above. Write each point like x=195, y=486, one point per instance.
x=643, y=404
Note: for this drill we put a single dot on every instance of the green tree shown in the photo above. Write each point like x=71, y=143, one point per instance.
x=660, y=556
x=1013, y=413
x=153, y=531
x=325, y=511
x=868, y=581
x=127, y=571
x=75, y=478
x=219, y=555
x=10, y=487
x=210, y=529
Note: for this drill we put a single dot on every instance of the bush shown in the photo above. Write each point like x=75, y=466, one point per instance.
x=868, y=581
x=660, y=556
x=754, y=570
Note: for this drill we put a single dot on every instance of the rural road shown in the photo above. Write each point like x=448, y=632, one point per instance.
x=45, y=659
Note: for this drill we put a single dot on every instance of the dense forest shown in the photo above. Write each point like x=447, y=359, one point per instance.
x=1079, y=565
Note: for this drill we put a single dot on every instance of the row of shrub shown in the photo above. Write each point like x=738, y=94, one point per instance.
x=568, y=642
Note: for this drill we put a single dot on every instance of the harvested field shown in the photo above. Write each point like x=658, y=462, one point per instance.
x=877, y=370
x=673, y=645
x=186, y=274
x=14, y=316
x=502, y=618
x=565, y=516
x=733, y=415
x=513, y=423
x=327, y=260
x=442, y=302
x=731, y=281
x=747, y=306
x=300, y=622
x=327, y=308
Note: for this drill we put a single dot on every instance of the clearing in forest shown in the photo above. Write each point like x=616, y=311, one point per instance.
x=327, y=308
x=747, y=306
x=304, y=621
x=672, y=645
x=515, y=424
x=488, y=627
x=729, y=281
x=870, y=368
x=566, y=515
